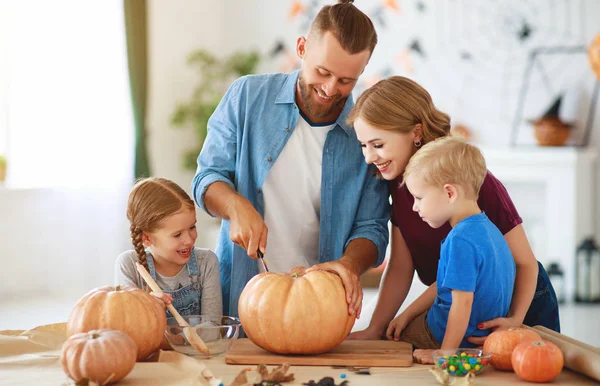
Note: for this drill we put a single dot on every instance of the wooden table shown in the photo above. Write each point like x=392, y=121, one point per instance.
x=165, y=373
x=32, y=358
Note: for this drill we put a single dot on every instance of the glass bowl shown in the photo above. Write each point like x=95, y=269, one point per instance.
x=216, y=332
x=459, y=362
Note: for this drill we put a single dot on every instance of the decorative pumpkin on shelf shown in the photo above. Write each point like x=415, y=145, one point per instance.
x=550, y=130
x=295, y=312
x=123, y=308
x=537, y=361
x=461, y=130
x=102, y=356
x=501, y=344
x=594, y=55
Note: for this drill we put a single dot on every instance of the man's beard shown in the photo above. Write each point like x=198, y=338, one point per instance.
x=314, y=108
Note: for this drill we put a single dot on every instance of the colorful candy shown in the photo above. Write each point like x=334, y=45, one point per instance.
x=462, y=363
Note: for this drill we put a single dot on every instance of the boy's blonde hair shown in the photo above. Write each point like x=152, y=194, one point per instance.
x=449, y=160
x=150, y=202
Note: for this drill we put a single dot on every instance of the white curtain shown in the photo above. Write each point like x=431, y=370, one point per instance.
x=68, y=132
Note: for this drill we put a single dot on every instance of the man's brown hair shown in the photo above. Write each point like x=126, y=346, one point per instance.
x=350, y=26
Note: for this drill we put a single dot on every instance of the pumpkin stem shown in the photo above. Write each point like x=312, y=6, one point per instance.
x=297, y=272
x=537, y=343
x=94, y=335
x=118, y=287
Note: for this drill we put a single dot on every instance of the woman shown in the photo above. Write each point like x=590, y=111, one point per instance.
x=393, y=119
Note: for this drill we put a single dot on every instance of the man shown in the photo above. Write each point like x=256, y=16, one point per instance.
x=280, y=164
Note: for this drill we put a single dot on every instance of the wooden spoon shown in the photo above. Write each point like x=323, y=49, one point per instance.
x=190, y=333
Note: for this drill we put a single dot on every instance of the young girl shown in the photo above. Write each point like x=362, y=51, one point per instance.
x=393, y=119
x=163, y=232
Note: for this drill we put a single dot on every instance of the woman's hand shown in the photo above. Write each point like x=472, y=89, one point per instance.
x=162, y=299
x=396, y=327
x=369, y=333
x=494, y=324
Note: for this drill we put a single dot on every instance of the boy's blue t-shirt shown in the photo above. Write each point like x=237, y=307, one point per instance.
x=474, y=257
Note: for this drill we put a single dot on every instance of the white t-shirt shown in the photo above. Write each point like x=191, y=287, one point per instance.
x=292, y=197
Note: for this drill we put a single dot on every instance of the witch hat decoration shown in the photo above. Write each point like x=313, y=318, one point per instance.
x=553, y=113
x=554, y=110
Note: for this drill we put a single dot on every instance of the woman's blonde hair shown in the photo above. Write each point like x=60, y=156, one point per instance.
x=449, y=160
x=150, y=202
x=398, y=104
x=350, y=26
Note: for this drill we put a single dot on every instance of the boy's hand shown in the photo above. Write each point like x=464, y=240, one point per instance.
x=424, y=357
x=396, y=327
x=164, y=299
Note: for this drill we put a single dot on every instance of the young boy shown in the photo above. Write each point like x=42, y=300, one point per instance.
x=476, y=271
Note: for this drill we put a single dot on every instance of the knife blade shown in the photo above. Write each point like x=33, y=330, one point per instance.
x=262, y=260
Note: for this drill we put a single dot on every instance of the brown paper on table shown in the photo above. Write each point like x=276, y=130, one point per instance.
x=32, y=358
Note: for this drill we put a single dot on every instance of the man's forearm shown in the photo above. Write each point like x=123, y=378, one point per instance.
x=220, y=200
x=361, y=254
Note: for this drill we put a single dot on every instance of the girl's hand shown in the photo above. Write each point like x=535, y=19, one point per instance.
x=494, y=324
x=396, y=327
x=424, y=357
x=163, y=299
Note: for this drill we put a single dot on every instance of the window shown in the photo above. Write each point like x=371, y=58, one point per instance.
x=65, y=111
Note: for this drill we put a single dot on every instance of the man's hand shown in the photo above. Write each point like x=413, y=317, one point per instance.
x=424, y=357
x=494, y=324
x=247, y=228
x=396, y=327
x=369, y=333
x=350, y=280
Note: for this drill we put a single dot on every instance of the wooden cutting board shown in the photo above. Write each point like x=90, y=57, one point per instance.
x=368, y=353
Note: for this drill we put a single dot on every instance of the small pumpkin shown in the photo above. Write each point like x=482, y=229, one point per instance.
x=103, y=356
x=537, y=361
x=501, y=344
x=295, y=312
x=123, y=308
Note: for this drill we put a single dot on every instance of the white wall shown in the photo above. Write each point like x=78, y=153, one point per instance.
x=59, y=242
x=176, y=28
x=482, y=94
x=38, y=221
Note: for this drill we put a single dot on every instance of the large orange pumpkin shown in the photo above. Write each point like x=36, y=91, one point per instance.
x=124, y=308
x=103, y=356
x=537, y=361
x=501, y=344
x=296, y=312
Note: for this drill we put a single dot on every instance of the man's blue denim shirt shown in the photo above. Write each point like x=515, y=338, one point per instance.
x=246, y=134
